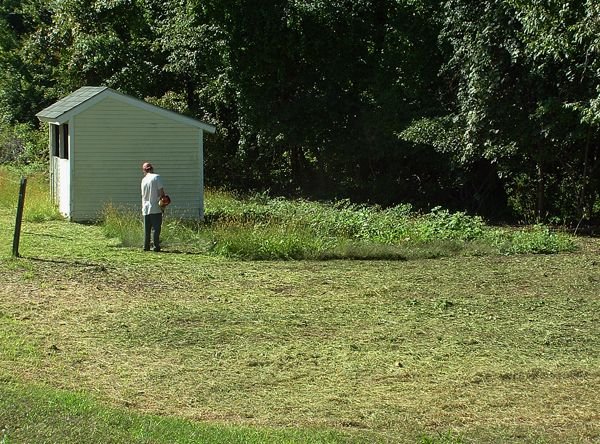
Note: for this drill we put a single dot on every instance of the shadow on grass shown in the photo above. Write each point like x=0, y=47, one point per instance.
x=99, y=267
x=188, y=253
x=53, y=236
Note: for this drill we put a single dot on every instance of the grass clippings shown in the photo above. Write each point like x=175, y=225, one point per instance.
x=466, y=349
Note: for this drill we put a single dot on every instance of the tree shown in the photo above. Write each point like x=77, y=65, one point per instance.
x=26, y=63
x=562, y=39
x=108, y=43
x=315, y=90
x=513, y=88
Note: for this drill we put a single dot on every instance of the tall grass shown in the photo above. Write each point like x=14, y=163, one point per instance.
x=127, y=226
x=124, y=225
x=263, y=228
x=38, y=204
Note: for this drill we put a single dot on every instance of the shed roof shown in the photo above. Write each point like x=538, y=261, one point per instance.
x=70, y=102
x=76, y=102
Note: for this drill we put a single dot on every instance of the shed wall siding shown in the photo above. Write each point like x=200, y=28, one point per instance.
x=113, y=139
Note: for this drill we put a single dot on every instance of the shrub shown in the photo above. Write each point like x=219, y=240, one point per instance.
x=441, y=224
x=24, y=145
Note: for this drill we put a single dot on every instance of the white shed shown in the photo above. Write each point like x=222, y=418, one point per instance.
x=99, y=139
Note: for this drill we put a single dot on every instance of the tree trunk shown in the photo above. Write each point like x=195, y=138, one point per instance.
x=190, y=95
x=297, y=165
x=581, y=204
x=540, y=203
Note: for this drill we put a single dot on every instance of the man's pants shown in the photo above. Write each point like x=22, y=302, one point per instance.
x=152, y=222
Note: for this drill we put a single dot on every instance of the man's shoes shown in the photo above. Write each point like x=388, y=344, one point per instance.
x=157, y=249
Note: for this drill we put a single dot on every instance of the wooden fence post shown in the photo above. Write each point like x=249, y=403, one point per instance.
x=20, y=204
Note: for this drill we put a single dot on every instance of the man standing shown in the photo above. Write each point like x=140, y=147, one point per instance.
x=152, y=192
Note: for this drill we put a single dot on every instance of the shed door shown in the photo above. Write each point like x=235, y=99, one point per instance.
x=60, y=168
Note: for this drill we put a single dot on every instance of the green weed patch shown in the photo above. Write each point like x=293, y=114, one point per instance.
x=262, y=228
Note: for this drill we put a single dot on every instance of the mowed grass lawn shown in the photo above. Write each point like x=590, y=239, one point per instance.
x=100, y=343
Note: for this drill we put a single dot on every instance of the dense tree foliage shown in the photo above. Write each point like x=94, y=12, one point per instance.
x=492, y=107
x=525, y=83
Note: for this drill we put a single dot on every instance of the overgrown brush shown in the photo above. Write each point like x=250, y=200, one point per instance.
x=265, y=241
x=24, y=146
x=263, y=228
x=536, y=239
